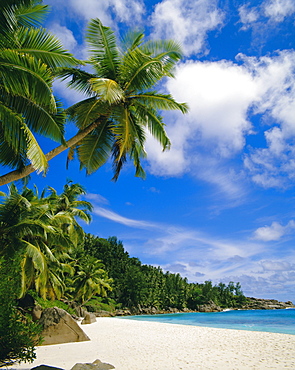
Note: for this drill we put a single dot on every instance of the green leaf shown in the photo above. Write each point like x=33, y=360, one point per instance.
x=108, y=90
x=103, y=49
x=94, y=150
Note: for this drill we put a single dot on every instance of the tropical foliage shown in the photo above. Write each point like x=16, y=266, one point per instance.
x=18, y=334
x=137, y=285
x=44, y=231
x=29, y=57
x=121, y=103
x=90, y=279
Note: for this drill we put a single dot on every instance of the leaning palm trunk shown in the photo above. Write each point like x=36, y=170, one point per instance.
x=20, y=174
x=121, y=104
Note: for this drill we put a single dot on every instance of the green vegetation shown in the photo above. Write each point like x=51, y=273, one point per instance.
x=120, y=97
x=18, y=334
x=59, y=261
x=138, y=286
x=29, y=58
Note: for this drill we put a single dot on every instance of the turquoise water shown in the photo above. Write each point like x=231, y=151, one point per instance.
x=275, y=321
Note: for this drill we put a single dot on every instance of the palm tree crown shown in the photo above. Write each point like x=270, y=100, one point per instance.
x=122, y=102
x=29, y=56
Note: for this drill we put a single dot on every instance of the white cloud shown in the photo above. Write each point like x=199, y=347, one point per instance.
x=171, y=162
x=108, y=11
x=96, y=198
x=187, y=21
x=277, y=10
x=65, y=35
x=273, y=166
x=223, y=97
x=248, y=15
x=273, y=232
x=103, y=212
x=274, y=11
x=219, y=95
x=273, y=266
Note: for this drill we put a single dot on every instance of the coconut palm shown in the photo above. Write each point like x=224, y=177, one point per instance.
x=90, y=279
x=122, y=103
x=29, y=56
x=68, y=203
x=33, y=227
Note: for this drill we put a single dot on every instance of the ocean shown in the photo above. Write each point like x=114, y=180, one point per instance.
x=275, y=321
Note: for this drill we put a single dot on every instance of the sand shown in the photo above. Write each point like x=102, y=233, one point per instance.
x=140, y=345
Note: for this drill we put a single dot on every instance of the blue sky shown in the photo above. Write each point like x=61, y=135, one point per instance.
x=220, y=204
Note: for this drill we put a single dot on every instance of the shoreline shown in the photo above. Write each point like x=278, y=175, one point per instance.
x=144, y=345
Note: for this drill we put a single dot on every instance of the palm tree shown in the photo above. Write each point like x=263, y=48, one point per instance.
x=90, y=279
x=22, y=234
x=34, y=228
x=121, y=102
x=29, y=56
x=68, y=203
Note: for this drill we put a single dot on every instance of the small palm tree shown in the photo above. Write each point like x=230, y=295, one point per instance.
x=68, y=203
x=122, y=103
x=90, y=279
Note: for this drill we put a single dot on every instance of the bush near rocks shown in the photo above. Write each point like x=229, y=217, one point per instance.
x=18, y=333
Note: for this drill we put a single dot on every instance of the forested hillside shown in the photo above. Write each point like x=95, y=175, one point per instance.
x=138, y=285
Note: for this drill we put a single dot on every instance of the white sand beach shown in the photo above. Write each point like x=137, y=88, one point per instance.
x=139, y=345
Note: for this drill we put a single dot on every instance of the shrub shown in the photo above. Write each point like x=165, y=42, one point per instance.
x=18, y=333
x=97, y=304
x=44, y=303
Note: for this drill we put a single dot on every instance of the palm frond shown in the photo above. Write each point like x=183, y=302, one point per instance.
x=34, y=152
x=77, y=79
x=132, y=40
x=136, y=155
x=38, y=118
x=95, y=148
x=28, y=13
x=168, y=52
x=108, y=90
x=38, y=42
x=103, y=49
x=31, y=16
x=20, y=139
x=129, y=138
x=87, y=111
x=37, y=257
x=12, y=150
x=159, y=101
x=82, y=204
x=154, y=122
x=26, y=76
x=82, y=215
x=140, y=72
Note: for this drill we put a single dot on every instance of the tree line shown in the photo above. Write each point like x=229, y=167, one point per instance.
x=139, y=285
